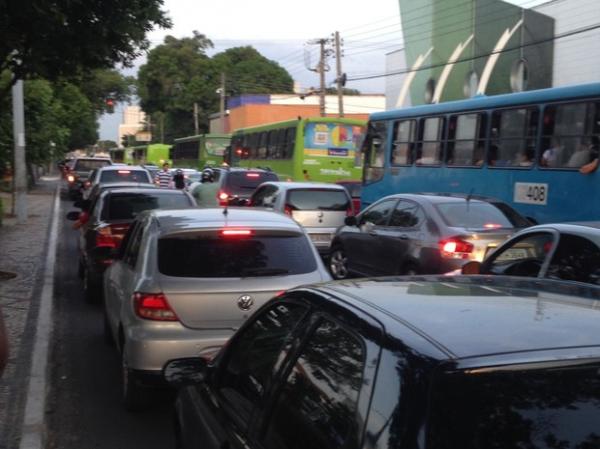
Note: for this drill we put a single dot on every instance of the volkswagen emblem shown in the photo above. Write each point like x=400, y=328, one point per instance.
x=245, y=302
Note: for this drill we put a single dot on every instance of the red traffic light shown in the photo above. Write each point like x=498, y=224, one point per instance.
x=110, y=102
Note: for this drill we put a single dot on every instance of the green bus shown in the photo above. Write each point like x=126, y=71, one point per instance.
x=200, y=151
x=325, y=149
x=121, y=155
x=152, y=154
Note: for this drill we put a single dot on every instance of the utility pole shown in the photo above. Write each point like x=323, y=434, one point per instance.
x=321, y=68
x=222, y=102
x=340, y=77
x=19, y=169
x=196, y=128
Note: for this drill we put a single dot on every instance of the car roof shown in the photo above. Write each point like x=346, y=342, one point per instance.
x=570, y=226
x=172, y=221
x=306, y=185
x=143, y=190
x=120, y=185
x=476, y=316
x=443, y=197
x=121, y=167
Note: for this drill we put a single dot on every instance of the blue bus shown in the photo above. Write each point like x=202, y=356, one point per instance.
x=535, y=150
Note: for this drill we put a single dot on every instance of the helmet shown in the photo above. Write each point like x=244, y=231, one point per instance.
x=208, y=175
x=179, y=171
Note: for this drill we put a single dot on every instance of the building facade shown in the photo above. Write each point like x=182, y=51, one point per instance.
x=133, y=124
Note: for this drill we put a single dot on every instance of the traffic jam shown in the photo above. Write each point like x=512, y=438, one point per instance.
x=216, y=284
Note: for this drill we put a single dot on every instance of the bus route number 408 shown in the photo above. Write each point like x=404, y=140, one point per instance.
x=531, y=193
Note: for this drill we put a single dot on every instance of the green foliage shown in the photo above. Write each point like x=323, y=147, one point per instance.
x=179, y=73
x=50, y=39
x=98, y=85
x=104, y=145
x=77, y=116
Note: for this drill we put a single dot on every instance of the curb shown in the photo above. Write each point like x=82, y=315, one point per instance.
x=33, y=429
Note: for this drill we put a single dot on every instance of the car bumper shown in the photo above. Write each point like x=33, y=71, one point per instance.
x=149, y=350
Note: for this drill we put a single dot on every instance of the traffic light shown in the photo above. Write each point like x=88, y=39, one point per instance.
x=110, y=105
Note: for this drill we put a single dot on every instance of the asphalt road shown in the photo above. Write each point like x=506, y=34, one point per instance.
x=84, y=407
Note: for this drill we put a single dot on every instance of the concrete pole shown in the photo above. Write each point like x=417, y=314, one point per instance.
x=340, y=88
x=322, y=79
x=196, y=127
x=222, y=103
x=19, y=169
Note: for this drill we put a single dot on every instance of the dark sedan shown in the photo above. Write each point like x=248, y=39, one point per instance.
x=561, y=251
x=421, y=233
x=469, y=363
x=108, y=221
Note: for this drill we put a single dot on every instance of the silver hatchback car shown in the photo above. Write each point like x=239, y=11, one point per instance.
x=319, y=207
x=185, y=280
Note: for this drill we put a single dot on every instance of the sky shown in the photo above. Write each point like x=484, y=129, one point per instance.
x=281, y=30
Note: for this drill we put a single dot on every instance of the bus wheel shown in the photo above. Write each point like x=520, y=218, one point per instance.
x=338, y=263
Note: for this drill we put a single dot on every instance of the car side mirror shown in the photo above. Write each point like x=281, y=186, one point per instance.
x=73, y=215
x=350, y=221
x=472, y=267
x=182, y=372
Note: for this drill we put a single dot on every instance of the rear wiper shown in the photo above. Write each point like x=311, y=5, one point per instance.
x=264, y=271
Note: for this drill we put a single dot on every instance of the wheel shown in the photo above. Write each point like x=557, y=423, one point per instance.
x=91, y=289
x=106, y=333
x=134, y=395
x=338, y=263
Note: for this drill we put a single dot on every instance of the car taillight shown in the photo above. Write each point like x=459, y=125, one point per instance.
x=492, y=226
x=223, y=198
x=455, y=248
x=235, y=232
x=288, y=210
x=153, y=306
x=71, y=178
x=108, y=237
x=252, y=175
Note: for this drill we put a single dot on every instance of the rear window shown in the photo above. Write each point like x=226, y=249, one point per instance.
x=209, y=255
x=124, y=176
x=318, y=199
x=126, y=206
x=477, y=215
x=244, y=183
x=90, y=164
x=556, y=408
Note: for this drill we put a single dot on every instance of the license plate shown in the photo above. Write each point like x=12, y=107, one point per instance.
x=513, y=254
x=320, y=237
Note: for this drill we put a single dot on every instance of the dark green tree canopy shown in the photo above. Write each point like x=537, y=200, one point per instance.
x=55, y=38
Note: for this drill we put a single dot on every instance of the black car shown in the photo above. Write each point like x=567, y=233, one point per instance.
x=107, y=222
x=421, y=233
x=433, y=363
x=560, y=251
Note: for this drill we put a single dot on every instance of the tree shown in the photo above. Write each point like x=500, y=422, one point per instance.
x=105, y=145
x=77, y=115
x=52, y=39
x=103, y=84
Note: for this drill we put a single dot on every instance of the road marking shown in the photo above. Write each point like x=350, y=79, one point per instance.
x=33, y=429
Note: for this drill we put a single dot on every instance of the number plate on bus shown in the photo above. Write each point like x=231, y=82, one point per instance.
x=531, y=193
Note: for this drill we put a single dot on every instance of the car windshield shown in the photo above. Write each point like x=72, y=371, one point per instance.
x=476, y=215
x=318, y=199
x=90, y=164
x=523, y=408
x=126, y=206
x=124, y=175
x=245, y=182
x=210, y=255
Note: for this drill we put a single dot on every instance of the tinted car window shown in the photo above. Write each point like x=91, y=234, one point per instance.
x=90, y=164
x=474, y=215
x=406, y=215
x=253, y=356
x=124, y=176
x=379, y=213
x=523, y=258
x=126, y=206
x=575, y=259
x=209, y=255
x=316, y=406
x=318, y=199
x=244, y=183
x=534, y=409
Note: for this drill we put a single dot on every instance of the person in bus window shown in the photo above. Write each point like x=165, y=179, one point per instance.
x=592, y=157
x=551, y=156
x=526, y=158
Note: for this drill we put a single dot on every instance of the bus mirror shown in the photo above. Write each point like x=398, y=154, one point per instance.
x=472, y=267
x=350, y=221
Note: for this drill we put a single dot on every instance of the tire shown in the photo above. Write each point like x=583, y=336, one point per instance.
x=338, y=263
x=135, y=397
x=91, y=289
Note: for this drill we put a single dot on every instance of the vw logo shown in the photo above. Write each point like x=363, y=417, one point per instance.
x=245, y=302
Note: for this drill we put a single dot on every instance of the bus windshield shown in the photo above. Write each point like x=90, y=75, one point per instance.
x=216, y=147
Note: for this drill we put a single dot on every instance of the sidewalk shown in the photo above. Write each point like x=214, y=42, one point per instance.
x=23, y=249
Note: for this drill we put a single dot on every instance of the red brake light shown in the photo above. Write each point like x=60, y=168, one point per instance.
x=106, y=235
x=455, y=248
x=492, y=226
x=153, y=306
x=252, y=175
x=223, y=198
x=71, y=178
x=236, y=232
x=124, y=172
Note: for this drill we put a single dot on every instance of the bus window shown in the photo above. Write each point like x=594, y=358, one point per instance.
x=404, y=134
x=252, y=146
x=429, y=151
x=271, y=144
x=262, y=145
x=513, y=135
x=374, y=147
x=466, y=140
x=570, y=135
x=290, y=141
